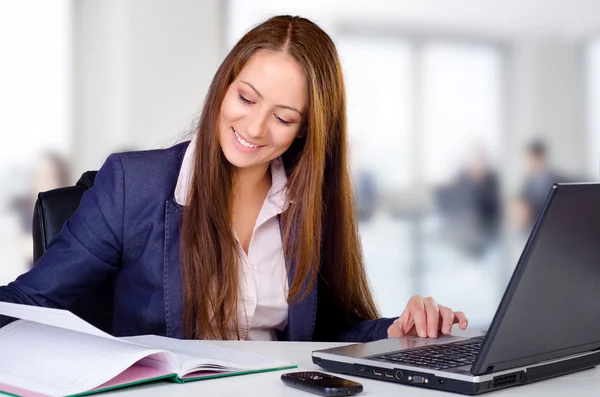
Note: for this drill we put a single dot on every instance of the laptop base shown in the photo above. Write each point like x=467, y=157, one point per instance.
x=413, y=377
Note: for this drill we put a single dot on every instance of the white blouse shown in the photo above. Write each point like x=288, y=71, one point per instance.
x=263, y=283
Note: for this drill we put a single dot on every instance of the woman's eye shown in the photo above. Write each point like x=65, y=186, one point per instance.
x=246, y=101
x=282, y=121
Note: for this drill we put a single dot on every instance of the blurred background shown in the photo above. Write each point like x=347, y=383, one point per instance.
x=461, y=116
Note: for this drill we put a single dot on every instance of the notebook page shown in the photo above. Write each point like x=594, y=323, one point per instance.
x=195, y=355
x=55, y=317
x=58, y=362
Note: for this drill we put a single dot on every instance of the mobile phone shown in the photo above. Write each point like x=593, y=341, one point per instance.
x=321, y=383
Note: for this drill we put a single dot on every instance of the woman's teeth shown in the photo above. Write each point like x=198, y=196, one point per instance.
x=243, y=142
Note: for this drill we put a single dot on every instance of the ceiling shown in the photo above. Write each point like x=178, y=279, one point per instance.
x=571, y=19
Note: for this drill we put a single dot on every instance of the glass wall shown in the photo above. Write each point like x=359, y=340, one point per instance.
x=425, y=118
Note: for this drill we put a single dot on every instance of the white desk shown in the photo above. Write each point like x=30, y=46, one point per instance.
x=584, y=383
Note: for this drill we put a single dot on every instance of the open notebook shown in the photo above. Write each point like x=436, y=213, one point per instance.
x=51, y=352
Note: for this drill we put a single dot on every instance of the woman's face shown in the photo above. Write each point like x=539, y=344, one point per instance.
x=262, y=110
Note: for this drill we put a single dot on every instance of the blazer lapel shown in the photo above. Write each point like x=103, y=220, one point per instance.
x=302, y=315
x=173, y=285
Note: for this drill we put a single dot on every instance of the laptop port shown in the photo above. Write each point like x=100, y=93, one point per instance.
x=399, y=375
x=378, y=373
x=417, y=379
x=389, y=374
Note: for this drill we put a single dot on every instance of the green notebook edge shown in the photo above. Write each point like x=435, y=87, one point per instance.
x=229, y=374
x=130, y=384
x=169, y=377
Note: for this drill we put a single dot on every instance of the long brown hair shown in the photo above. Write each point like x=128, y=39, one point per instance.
x=319, y=228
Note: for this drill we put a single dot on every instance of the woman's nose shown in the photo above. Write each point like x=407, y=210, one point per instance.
x=256, y=126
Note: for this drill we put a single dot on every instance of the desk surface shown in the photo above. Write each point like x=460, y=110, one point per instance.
x=584, y=383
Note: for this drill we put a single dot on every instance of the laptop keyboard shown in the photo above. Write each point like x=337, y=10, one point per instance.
x=445, y=356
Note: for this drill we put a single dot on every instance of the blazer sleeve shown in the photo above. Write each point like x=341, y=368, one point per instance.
x=366, y=331
x=85, y=252
x=334, y=325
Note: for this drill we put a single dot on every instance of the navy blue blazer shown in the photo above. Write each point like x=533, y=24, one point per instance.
x=128, y=227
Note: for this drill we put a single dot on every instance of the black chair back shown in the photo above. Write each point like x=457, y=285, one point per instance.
x=52, y=209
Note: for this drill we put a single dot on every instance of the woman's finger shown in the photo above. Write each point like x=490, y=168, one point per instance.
x=433, y=317
x=447, y=319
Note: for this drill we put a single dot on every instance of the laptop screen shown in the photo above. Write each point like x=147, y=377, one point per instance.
x=551, y=307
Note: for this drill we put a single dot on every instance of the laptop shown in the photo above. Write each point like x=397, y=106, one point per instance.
x=547, y=323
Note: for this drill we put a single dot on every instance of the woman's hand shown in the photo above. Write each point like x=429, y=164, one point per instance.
x=424, y=317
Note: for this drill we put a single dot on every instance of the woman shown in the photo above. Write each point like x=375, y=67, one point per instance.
x=250, y=231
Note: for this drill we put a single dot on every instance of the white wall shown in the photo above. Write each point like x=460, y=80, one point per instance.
x=142, y=70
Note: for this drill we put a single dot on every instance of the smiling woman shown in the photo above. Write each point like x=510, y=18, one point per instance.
x=247, y=232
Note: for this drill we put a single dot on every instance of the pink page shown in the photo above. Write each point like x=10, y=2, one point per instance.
x=19, y=392
x=135, y=373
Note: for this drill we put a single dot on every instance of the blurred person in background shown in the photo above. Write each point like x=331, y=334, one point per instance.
x=539, y=178
x=365, y=191
x=470, y=205
x=49, y=171
x=245, y=231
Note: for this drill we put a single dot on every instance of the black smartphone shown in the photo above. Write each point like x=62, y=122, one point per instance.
x=321, y=383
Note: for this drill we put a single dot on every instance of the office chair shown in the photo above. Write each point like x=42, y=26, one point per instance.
x=52, y=209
